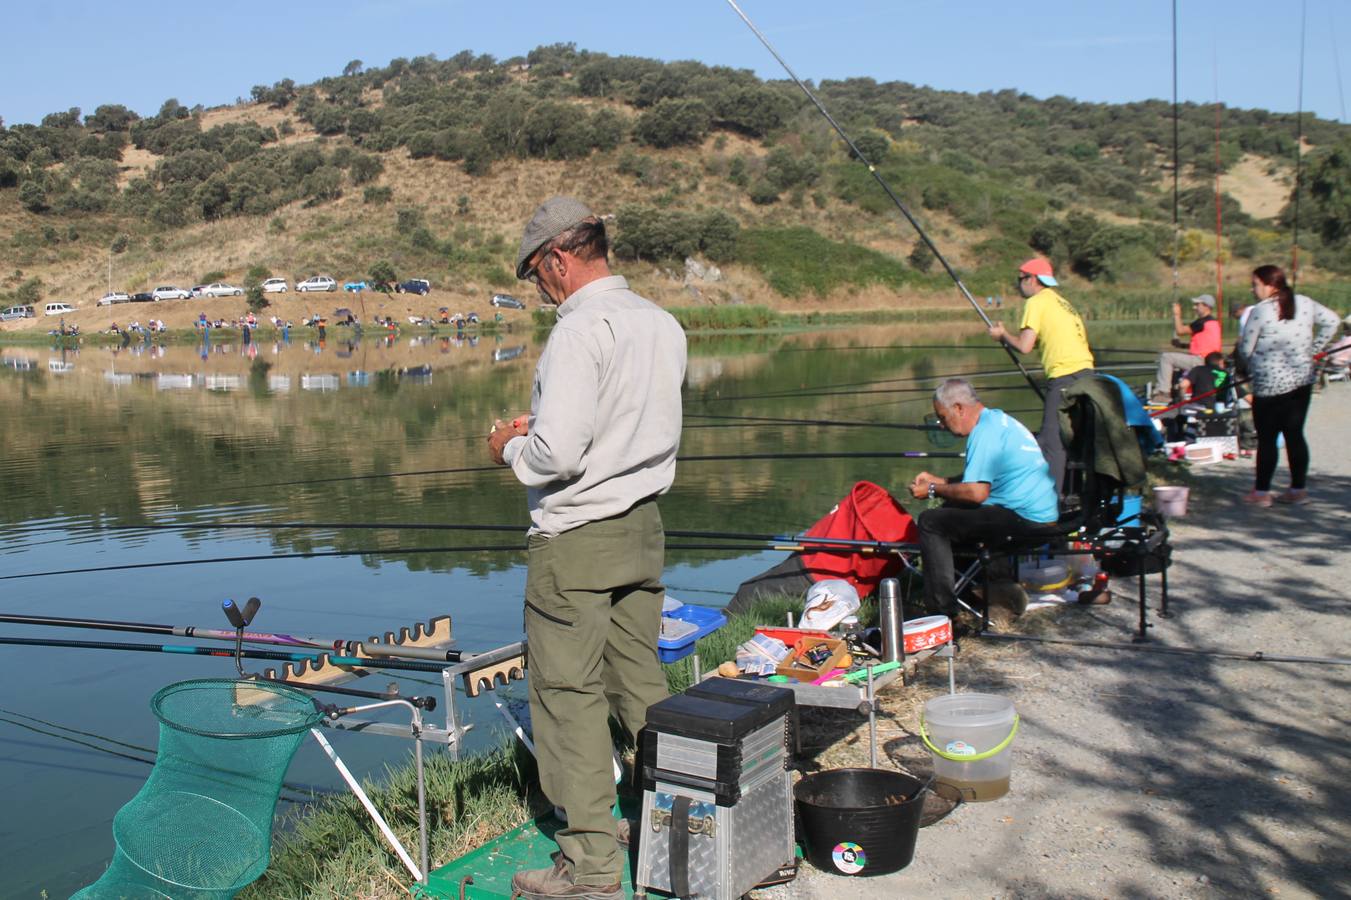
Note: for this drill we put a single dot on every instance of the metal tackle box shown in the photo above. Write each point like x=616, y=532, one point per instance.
x=717, y=808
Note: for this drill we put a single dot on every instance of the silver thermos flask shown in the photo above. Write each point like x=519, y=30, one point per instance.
x=889, y=619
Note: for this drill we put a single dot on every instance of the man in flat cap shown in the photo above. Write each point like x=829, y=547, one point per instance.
x=595, y=452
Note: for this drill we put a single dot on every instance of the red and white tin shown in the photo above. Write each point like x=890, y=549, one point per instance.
x=930, y=631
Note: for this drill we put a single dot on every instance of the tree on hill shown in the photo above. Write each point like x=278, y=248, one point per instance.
x=1330, y=190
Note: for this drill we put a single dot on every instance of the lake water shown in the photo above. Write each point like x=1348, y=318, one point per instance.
x=101, y=442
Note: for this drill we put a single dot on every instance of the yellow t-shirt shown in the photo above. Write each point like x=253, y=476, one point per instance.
x=1060, y=333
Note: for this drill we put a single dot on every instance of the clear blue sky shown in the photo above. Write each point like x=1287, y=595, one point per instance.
x=62, y=53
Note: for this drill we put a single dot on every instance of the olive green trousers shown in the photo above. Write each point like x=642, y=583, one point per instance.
x=593, y=599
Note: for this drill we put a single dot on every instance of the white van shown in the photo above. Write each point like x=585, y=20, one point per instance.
x=57, y=309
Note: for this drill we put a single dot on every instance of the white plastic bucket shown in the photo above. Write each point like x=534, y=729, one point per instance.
x=1044, y=575
x=970, y=736
x=1171, y=500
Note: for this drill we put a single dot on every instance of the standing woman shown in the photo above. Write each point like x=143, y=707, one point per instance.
x=1278, y=346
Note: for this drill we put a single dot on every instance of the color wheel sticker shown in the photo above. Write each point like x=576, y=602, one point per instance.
x=849, y=857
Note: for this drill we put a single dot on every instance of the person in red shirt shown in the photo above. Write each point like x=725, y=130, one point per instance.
x=1203, y=338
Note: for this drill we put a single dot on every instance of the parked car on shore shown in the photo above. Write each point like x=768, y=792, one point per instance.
x=275, y=286
x=169, y=292
x=58, y=309
x=221, y=289
x=506, y=301
x=16, y=312
x=112, y=297
x=317, y=283
x=143, y=297
x=196, y=290
x=414, y=286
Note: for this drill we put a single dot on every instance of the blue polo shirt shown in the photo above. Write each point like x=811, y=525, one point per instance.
x=1003, y=453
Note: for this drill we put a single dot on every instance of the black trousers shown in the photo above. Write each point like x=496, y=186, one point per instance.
x=1048, y=438
x=1282, y=414
x=940, y=528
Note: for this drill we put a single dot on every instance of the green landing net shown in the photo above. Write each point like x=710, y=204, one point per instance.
x=201, y=826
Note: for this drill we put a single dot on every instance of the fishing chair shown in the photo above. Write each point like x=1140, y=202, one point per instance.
x=1091, y=517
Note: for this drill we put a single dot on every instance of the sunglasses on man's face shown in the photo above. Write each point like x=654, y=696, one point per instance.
x=532, y=273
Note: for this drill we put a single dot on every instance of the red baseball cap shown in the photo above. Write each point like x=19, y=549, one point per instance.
x=1041, y=268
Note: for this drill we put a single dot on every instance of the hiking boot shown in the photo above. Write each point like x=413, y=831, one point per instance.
x=543, y=884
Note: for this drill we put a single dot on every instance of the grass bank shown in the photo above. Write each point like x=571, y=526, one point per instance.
x=330, y=849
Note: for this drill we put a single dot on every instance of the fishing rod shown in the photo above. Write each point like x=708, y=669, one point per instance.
x=253, y=637
x=314, y=554
x=877, y=176
x=408, y=665
x=857, y=454
x=375, y=551
x=504, y=469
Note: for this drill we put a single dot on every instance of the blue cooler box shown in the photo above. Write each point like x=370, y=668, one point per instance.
x=704, y=620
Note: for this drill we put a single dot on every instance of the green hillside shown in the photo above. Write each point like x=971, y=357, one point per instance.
x=432, y=165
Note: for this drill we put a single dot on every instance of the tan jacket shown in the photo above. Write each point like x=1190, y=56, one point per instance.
x=605, y=409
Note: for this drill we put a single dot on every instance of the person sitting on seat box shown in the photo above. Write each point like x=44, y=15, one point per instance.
x=1203, y=338
x=1005, y=489
x=1208, y=381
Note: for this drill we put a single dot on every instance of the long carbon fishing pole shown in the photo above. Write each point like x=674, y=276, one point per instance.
x=410, y=665
x=753, y=542
x=252, y=637
x=877, y=176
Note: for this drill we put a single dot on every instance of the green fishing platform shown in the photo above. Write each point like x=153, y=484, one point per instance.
x=485, y=872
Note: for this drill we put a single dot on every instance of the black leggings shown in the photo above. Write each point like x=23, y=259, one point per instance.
x=1282, y=414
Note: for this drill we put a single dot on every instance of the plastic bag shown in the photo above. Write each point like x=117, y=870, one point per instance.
x=829, y=602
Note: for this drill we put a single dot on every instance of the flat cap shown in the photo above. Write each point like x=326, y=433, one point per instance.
x=554, y=216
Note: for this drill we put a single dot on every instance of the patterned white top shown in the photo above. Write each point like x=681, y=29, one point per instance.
x=1279, y=354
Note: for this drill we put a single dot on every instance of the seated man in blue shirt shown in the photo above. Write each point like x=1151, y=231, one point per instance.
x=1005, y=489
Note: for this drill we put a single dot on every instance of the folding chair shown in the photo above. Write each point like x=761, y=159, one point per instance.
x=1091, y=515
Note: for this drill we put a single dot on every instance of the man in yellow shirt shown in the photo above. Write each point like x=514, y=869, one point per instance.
x=1049, y=322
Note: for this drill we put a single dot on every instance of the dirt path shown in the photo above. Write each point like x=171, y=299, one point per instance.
x=1149, y=775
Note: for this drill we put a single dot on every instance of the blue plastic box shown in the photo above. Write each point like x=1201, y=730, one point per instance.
x=708, y=620
x=1130, y=511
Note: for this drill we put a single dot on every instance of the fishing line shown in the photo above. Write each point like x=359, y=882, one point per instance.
x=90, y=734
x=1299, y=150
x=824, y=390
x=111, y=752
x=796, y=396
x=858, y=154
x=812, y=390
x=1177, y=227
x=337, y=478
x=837, y=423
x=74, y=740
x=1254, y=656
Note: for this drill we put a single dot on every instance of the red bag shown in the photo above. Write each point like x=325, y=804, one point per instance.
x=869, y=513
